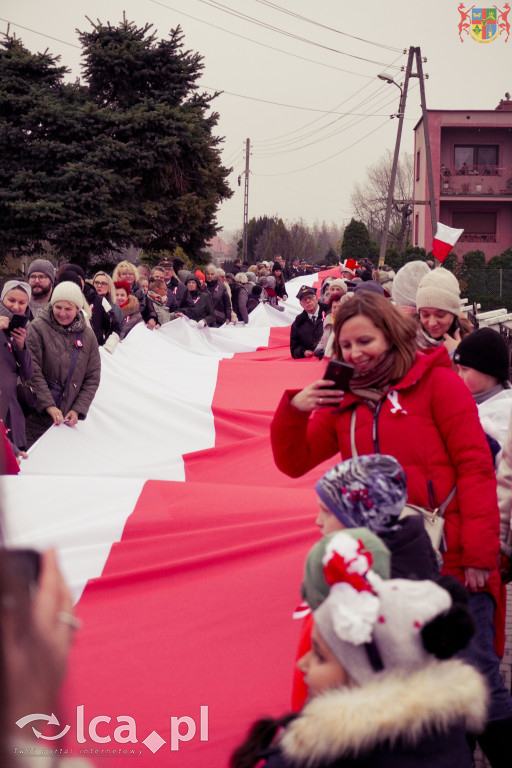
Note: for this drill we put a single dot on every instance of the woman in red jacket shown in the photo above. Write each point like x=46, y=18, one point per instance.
x=413, y=406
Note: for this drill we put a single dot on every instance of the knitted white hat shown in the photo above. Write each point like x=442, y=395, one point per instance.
x=406, y=281
x=373, y=625
x=440, y=290
x=68, y=291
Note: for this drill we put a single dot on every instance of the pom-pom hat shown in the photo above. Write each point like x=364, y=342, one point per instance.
x=315, y=588
x=374, y=626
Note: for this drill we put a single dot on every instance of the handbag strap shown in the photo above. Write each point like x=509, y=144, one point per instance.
x=442, y=507
x=353, y=448
x=74, y=358
x=440, y=510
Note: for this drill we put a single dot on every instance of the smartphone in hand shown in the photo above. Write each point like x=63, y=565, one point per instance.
x=339, y=372
x=18, y=321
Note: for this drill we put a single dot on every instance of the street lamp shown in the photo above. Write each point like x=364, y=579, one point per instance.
x=391, y=188
x=388, y=79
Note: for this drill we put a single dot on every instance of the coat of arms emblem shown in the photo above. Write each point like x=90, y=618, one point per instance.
x=484, y=25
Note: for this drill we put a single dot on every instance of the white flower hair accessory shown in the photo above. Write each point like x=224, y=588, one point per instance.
x=355, y=606
x=353, y=613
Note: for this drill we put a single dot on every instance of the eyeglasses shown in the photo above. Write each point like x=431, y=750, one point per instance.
x=99, y=282
x=35, y=277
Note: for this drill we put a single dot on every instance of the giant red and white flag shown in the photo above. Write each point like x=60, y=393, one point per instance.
x=182, y=542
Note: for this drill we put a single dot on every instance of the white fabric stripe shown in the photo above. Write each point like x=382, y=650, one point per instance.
x=80, y=485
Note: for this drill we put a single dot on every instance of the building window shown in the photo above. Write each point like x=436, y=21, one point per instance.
x=418, y=157
x=479, y=227
x=416, y=228
x=479, y=159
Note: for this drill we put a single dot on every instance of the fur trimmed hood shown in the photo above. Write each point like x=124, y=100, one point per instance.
x=353, y=722
x=131, y=307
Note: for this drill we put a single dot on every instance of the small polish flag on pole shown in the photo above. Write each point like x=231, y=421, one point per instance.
x=444, y=240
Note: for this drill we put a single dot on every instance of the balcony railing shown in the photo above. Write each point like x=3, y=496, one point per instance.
x=469, y=237
x=476, y=181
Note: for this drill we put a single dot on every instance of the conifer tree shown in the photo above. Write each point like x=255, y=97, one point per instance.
x=127, y=158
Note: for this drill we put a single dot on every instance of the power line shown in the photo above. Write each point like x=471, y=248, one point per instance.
x=316, y=119
x=263, y=45
x=282, y=104
x=288, y=142
x=283, y=147
x=305, y=168
x=325, y=26
x=272, y=28
x=27, y=29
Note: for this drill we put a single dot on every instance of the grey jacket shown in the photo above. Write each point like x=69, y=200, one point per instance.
x=51, y=346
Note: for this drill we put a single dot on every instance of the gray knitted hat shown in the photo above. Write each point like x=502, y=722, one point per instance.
x=44, y=266
x=12, y=284
x=439, y=289
x=406, y=281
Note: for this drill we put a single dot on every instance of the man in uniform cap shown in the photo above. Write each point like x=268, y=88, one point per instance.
x=307, y=328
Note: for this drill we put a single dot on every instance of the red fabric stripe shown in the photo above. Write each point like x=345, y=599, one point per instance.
x=194, y=608
x=249, y=387
x=194, y=605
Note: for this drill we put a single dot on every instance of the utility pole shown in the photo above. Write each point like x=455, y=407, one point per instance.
x=246, y=198
x=430, y=174
x=414, y=53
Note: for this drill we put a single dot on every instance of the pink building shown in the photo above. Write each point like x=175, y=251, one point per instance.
x=472, y=167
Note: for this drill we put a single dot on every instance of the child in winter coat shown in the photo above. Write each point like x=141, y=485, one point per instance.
x=370, y=492
x=384, y=690
x=483, y=363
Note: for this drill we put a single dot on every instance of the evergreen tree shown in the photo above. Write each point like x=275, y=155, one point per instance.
x=129, y=160
x=356, y=241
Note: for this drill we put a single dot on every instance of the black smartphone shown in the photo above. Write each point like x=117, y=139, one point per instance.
x=18, y=321
x=340, y=373
x=25, y=566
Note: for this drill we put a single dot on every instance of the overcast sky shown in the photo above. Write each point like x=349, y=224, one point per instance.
x=307, y=97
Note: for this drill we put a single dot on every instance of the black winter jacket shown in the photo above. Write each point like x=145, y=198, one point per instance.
x=305, y=334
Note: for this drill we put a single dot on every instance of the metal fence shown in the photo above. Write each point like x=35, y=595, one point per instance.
x=491, y=288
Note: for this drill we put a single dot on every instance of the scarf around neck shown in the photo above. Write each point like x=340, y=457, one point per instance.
x=424, y=340
x=371, y=385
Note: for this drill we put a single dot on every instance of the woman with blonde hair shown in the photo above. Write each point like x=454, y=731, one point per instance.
x=104, y=286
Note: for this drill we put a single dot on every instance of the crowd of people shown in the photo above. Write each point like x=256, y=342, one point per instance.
x=54, y=322
x=406, y=590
